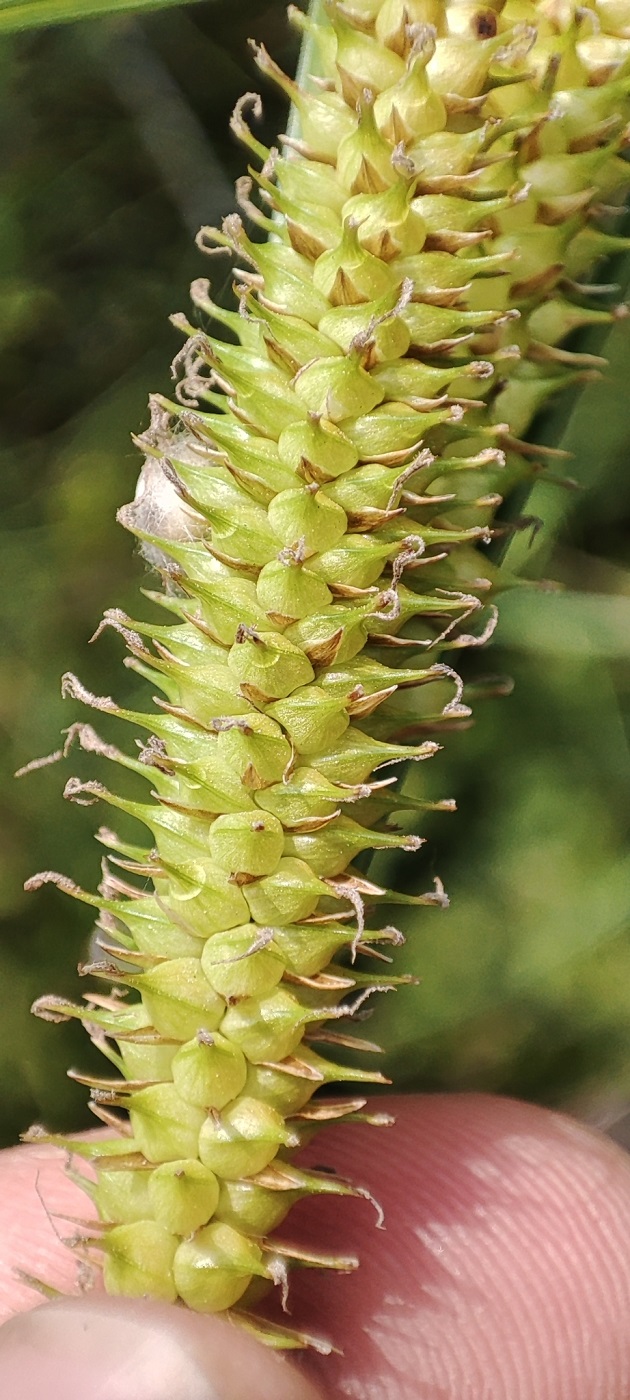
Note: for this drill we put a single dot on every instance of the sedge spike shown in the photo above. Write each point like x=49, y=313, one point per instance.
x=317, y=498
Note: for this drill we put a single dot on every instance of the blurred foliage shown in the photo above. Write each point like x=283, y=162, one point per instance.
x=31, y=14
x=116, y=133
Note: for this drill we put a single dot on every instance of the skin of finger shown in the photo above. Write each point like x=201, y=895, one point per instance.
x=36, y=1196
x=503, y=1272
x=113, y=1349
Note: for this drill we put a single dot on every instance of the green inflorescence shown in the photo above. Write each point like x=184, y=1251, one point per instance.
x=317, y=499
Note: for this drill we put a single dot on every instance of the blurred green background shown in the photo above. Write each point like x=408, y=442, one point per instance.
x=116, y=142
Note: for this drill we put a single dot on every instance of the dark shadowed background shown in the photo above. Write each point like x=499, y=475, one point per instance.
x=115, y=149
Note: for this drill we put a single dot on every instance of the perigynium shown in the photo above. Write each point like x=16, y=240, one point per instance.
x=317, y=499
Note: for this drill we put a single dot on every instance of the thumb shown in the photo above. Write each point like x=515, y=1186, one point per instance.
x=135, y=1350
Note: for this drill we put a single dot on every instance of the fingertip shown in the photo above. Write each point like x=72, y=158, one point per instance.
x=131, y=1349
x=504, y=1268
x=37, y=1197
x=503, y=1271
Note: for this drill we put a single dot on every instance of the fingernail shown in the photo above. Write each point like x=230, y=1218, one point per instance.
x=107, y=1349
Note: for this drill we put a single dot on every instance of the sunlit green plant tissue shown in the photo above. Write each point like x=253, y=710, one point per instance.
x=317, y=500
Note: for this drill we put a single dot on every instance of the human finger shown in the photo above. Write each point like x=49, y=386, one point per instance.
x=132, y=1349
x=503, y=1273
x=109, y=1349
x=504, y=1269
